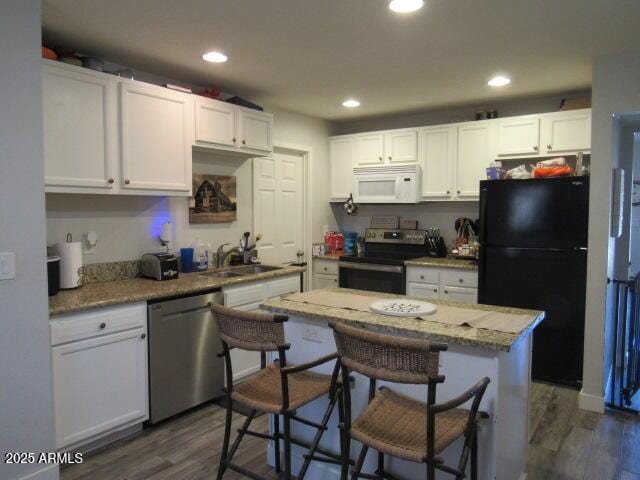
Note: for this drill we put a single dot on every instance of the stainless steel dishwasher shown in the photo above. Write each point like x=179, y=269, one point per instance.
x=184, y=369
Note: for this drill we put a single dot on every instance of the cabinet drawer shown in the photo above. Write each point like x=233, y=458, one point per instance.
x=280, y=286
x=83, y=325
x=423, y=290
x=460, y=294
x=460, y=278
x=244, y=294
x=424, y=275
x=328, y=267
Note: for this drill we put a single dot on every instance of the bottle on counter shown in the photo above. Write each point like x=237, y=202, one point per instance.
x=200, y=256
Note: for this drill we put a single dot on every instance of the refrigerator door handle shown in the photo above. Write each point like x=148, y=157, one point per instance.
x=483, y=216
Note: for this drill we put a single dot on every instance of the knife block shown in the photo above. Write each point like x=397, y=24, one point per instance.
x=439, y=251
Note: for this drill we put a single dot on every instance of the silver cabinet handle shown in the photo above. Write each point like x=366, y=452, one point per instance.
x=459, y=192
x=421, y=277
x=143, y=336
x=435, y=290
x=549, y=147
x=127, y=181
x=461, y=280
x=448, y=192
x=234, y=139
x=446, y=292
x=103, y=326
x=535, y=147
x=379, y=158
x=111, y=180
x=389, y=157
x=244, y=142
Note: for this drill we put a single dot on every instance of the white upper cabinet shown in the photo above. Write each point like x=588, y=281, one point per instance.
x=438, y=147
x=215, y=122
x=255, y=130
x=230, y=128
x=476, y=150
x=79, y=129
x=341, y=156
x=156, y=126
x=401, y=146
x=370, y=149
x=567, y=131
x=519, y=136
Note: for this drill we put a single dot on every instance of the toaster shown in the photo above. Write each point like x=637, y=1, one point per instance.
x=159, y=266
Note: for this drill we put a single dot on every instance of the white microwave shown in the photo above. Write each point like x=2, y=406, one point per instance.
x=387, y=184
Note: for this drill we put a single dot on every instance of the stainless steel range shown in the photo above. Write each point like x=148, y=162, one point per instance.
x=381, y=268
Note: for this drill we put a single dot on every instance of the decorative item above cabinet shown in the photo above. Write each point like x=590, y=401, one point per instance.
x=454, y=156
x=232, y=129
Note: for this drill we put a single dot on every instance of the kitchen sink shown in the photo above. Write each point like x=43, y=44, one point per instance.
x=223, y=274
x=249, y=269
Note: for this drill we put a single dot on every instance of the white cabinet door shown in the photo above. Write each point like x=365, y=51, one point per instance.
x=370, y=149
x=99, y=384
x=323, y=280
x=341, y=151
x=567, y=131
x=255, y=131
x=423, y=290
x=215, y=122
x=78, y=128
x=438, y=147
x=519, y=136
x=460, y=294
x=476, y=150
x=401, y=147
x=157, y=134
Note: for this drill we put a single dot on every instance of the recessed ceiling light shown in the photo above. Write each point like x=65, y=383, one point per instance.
x=215, y=57
x=351, y=103
x=499, y=81
x=406, y=6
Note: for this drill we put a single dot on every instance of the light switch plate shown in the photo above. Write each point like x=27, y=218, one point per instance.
x=7, y=266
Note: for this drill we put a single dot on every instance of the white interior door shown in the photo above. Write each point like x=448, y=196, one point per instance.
x=278, y=206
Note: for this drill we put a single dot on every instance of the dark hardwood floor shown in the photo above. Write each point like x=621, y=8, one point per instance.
x=565, y=444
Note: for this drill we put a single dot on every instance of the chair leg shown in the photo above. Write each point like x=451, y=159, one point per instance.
x=276, y=444
x=225, y=444
x=380, y=471
x=345, y=443
x=431, y=472
x=360, y=462
x=287, y=446
x=474, y=457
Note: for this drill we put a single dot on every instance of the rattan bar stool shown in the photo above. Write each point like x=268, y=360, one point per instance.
x=277, y=389
x=394, y=424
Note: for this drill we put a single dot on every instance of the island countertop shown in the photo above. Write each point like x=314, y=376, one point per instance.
x=441, y=332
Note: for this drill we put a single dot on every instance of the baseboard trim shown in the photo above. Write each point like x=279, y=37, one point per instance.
x=50, y=472
x=592, y=403
x=245, y=373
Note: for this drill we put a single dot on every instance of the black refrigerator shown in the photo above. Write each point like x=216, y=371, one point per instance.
x=533, y=254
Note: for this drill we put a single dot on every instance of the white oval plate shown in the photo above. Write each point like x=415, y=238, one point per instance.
x=403, y=308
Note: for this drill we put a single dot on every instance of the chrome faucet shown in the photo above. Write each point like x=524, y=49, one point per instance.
x=221, y=255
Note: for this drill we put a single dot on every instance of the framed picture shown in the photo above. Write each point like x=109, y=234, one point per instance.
x=213, y=200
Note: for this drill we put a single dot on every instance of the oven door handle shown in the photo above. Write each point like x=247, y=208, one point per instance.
x=371, y=267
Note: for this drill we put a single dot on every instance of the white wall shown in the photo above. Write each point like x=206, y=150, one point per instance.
x=26, y=416
x=127, y=226
x=506, y=108
x=616, y=89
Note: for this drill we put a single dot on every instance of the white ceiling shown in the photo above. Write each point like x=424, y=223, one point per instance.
x=309, y=55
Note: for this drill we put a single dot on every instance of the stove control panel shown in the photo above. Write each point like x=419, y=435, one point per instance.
x=398, y=236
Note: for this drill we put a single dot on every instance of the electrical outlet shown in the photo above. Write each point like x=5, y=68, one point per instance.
x=311, y=334
x=7, y=266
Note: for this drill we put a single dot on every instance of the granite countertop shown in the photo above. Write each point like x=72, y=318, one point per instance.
x=461, y=335
x=328, y=256
x=421, y=262
x=443, y=263
x=104, y=294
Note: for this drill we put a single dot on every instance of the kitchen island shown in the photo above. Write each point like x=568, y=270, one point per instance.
x=473, y=353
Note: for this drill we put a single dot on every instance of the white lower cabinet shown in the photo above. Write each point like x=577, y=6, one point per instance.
x=325, y=273
x=248, y=298
x=99, y=363
x=443, y=284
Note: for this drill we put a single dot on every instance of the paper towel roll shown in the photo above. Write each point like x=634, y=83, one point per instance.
x=70, y=264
